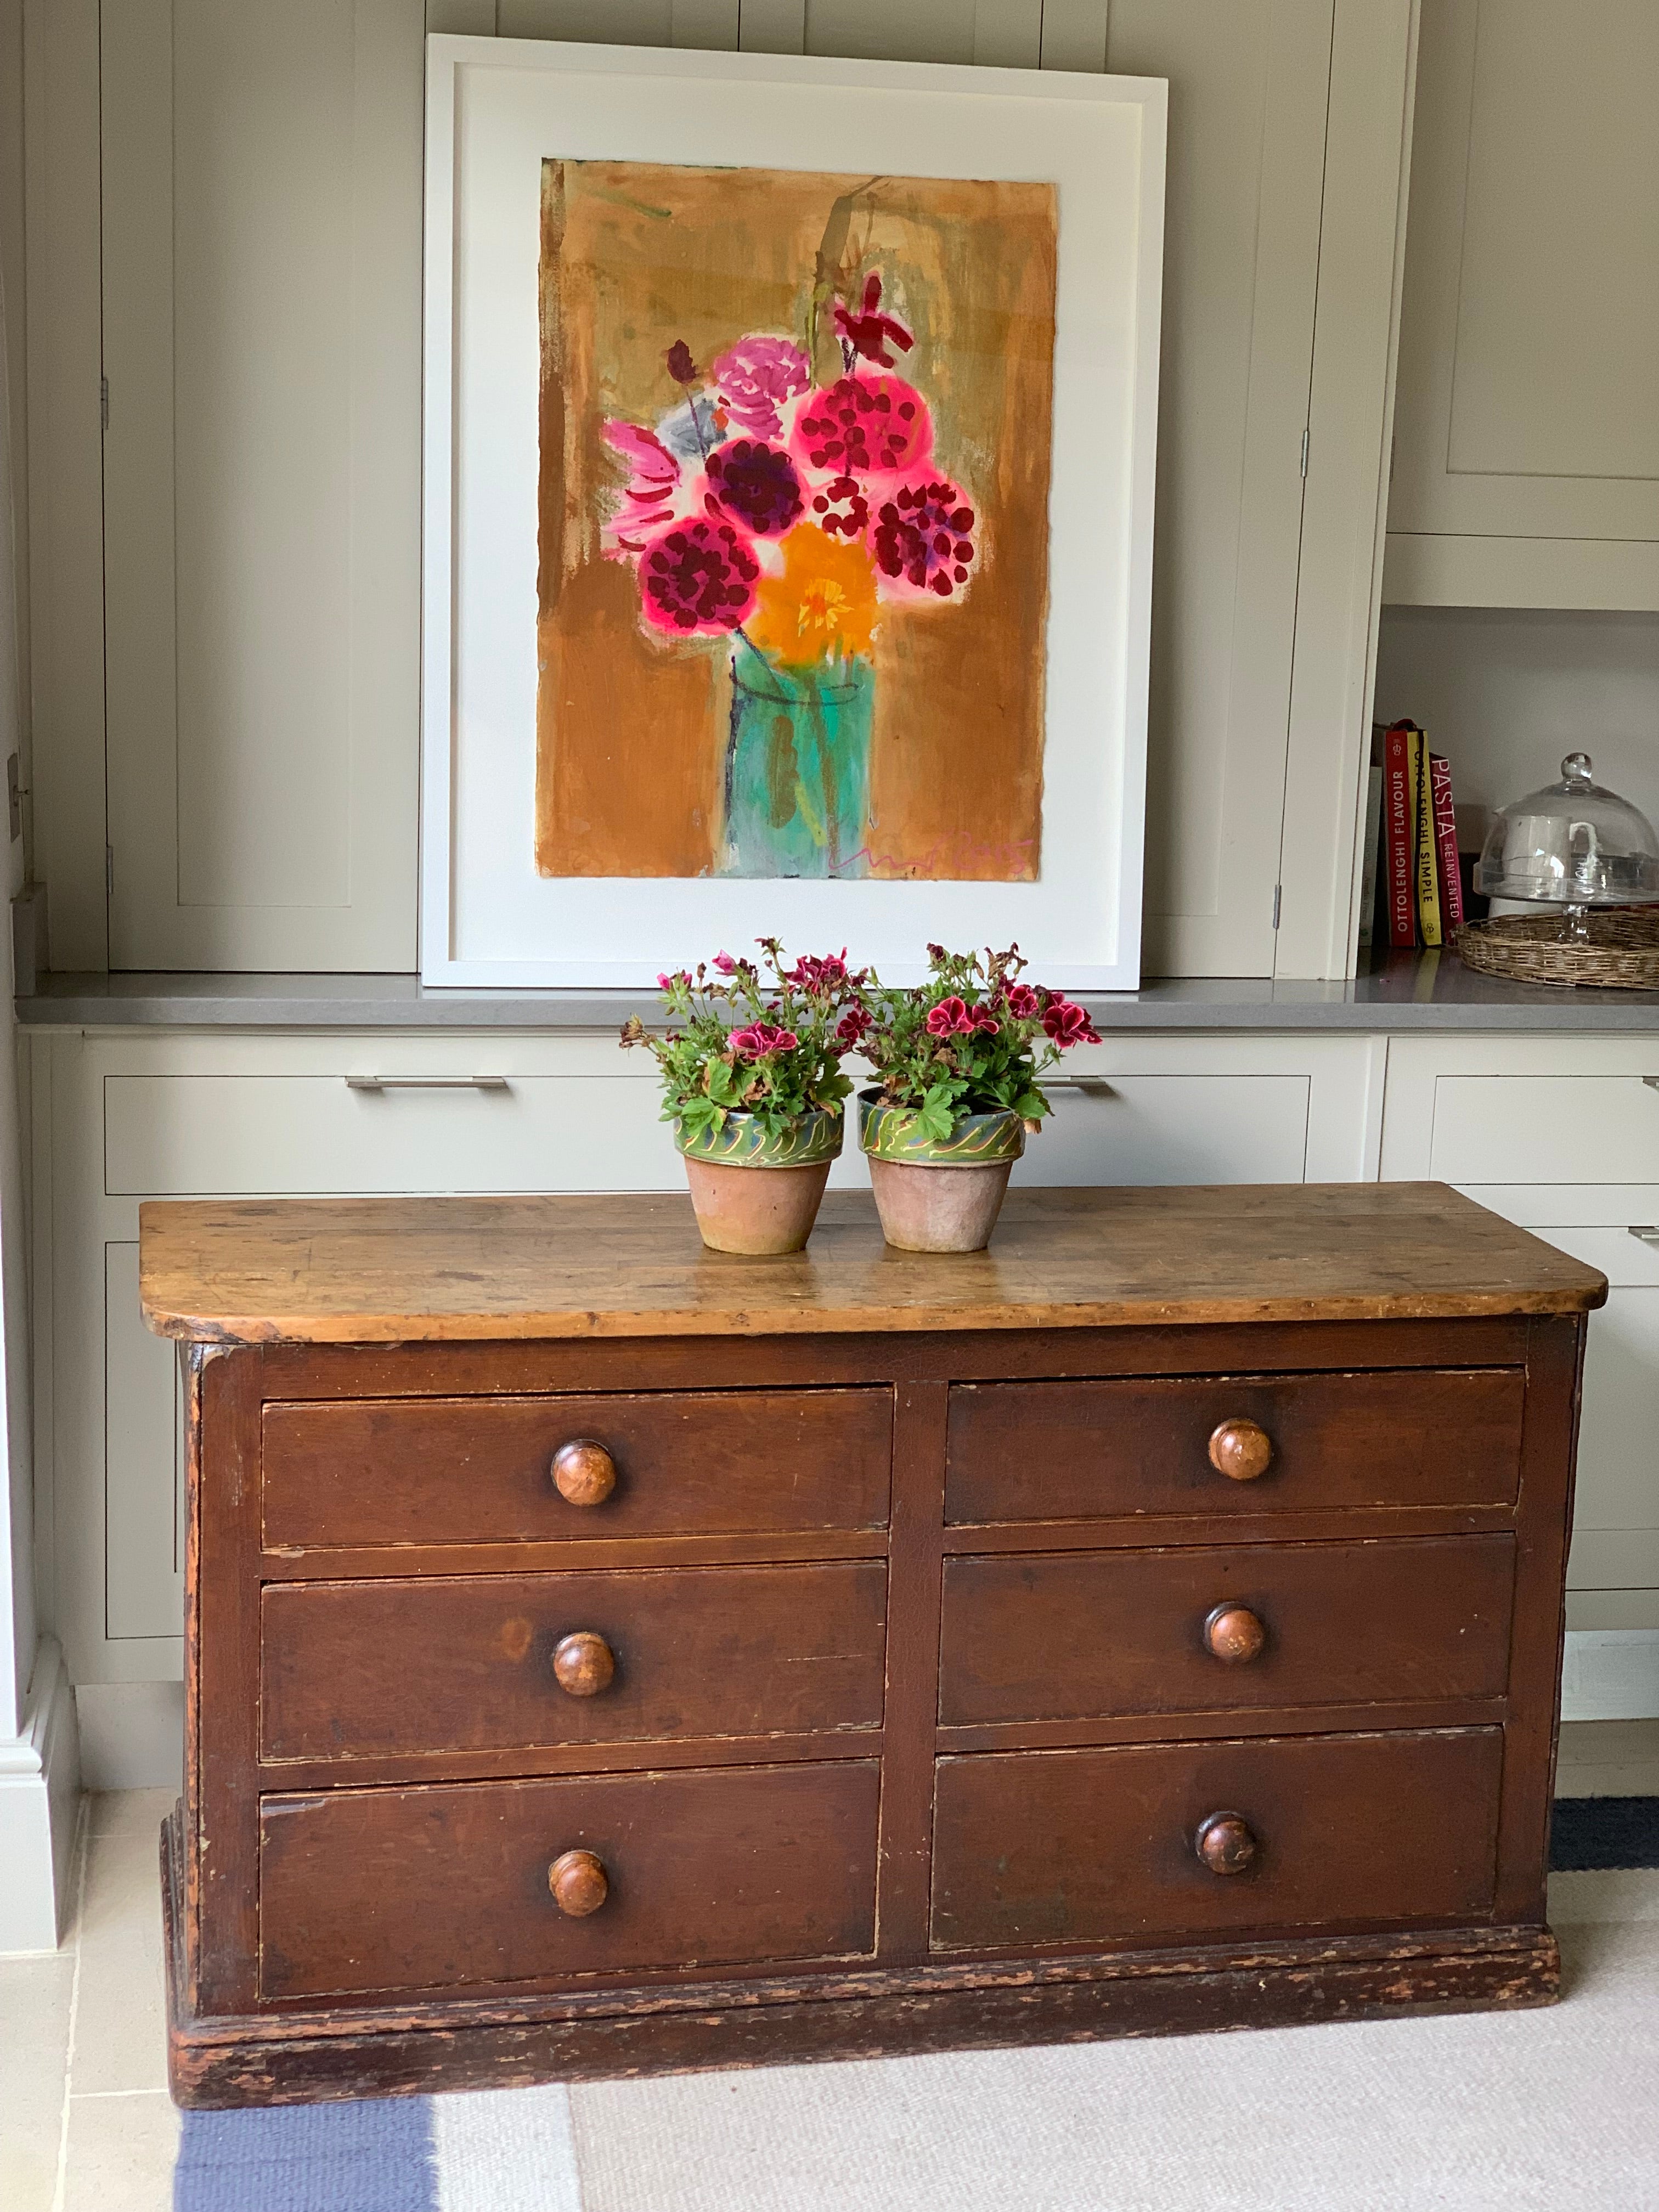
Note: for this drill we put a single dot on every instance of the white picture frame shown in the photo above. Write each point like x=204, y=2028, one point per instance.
x=496, y=109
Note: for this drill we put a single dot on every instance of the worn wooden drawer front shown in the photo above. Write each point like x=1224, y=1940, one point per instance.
x=475, y=1470
x=353, y=1670
x=1074, y=1635
x=432, y=1888
x=1056, y=1451
x=1051, y=1847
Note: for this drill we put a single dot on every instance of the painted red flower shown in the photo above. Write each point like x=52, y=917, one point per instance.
x=697, y=578
x=1068, y=1024
x=760, y=1039
x=756, y=484
x=863, y=426
x=923, y=540
x=841, y=510
x=1022, y=1002
x=681, y=366
x=947, y=1019
x=871, y=332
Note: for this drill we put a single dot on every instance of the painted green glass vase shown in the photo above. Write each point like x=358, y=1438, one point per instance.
x=798, y=769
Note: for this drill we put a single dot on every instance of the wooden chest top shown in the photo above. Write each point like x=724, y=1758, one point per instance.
x=413, y=1270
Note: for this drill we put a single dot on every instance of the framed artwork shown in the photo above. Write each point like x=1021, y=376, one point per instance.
x=788, y=493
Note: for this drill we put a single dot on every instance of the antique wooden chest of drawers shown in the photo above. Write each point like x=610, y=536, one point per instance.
x=605, y=1655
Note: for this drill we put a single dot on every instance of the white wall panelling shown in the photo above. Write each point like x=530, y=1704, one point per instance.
x=1339, y=586
x=65, y=527
x=127, y=1117
x=1526, y=462
x=261, y=255
x=1249, y=93
x=255, y=331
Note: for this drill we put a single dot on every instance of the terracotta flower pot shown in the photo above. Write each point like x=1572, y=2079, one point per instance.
x=932, y=1196
x=754, y=1192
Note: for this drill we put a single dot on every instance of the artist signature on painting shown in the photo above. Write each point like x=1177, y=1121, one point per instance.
x=962, y=856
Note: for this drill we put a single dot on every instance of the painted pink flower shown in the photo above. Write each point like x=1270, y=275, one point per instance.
x=1022, y=1002
x=654, y=487
x=756, y=377
x=863, y=426
x=923, y=541
x=697, y=578
x=760, y=1039
x=871, y=332
x=1068, y=1024
x=948, y=1018
x=756, y=484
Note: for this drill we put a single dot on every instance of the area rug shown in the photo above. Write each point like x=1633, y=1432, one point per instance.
x=1531, y=2111
x=499, y=2150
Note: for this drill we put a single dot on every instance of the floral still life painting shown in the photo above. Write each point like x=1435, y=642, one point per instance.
x=795, y=452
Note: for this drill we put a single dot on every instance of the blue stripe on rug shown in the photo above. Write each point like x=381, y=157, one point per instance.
x=367, y=2156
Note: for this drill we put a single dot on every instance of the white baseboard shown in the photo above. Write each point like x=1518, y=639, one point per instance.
x=132, y=1735
x=39, y=1794
x=1611, y=1675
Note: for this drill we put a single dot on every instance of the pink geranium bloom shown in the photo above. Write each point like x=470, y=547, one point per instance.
x=853, y=1027
x=1068, y=1024
x=923, y=541
x=760, y=1038
x=948, y=1018
x=1023, y=1002
x=726, y=963
x=985, y=1022
x=863, y=426
x=655, y=493
x=756, y=377
x=697, y=580
x=813, y=973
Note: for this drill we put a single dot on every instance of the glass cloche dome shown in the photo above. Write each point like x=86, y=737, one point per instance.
x=1574, y=845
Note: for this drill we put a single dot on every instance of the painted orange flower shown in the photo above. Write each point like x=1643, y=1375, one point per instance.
x=822, y=607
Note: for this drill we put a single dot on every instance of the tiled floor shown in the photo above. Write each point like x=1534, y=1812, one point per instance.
x=86, y=2122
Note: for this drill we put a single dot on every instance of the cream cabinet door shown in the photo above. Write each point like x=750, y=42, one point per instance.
x=261, y=334
x=1527, y=417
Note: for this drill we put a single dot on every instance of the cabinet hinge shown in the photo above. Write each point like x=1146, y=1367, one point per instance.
x=1304, y=453
x=1279, y=893
x=103, y=401
x=109, y=873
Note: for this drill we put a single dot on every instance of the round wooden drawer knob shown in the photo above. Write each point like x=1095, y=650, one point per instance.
x=1224, y=1843
x=583, y=1473
x=583, y=1663
x=579, y=1884
x=1233, y=1633
x=1241, y=1450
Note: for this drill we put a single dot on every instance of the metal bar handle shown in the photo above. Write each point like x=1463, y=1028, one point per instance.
x=426, y=1083
x=1093, y=1086
x=1644, y=1233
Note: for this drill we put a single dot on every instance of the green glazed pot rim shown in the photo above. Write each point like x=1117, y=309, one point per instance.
x=886, y=1132
x=740, y=1142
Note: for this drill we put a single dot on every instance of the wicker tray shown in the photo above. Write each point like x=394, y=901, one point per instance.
x=1622, y=955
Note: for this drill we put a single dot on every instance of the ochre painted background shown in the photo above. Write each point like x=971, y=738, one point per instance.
x=631, y=728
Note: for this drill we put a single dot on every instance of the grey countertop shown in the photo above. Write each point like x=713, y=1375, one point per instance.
x=1408, y=991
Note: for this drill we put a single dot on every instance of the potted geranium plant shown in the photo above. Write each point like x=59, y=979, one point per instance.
x=751, y=1078
x=958, y=1061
